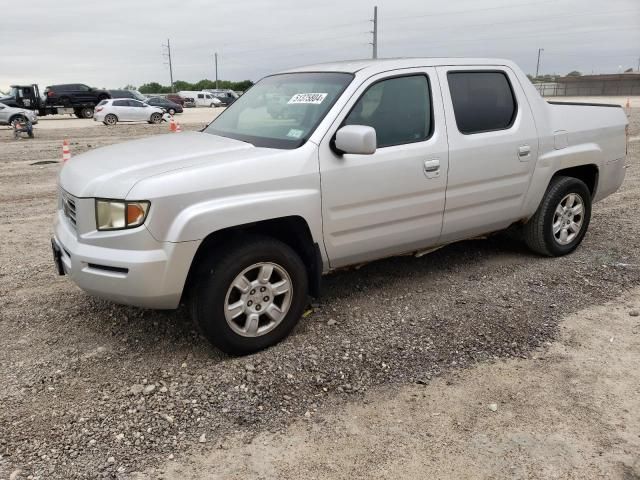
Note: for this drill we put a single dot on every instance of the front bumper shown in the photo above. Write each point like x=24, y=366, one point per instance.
x=150, y=274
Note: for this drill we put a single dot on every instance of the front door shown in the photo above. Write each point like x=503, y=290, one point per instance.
x=392, y=201
x=138, y=111
x=493, y=149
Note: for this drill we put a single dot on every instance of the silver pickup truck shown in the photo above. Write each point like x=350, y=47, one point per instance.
x=319, y=168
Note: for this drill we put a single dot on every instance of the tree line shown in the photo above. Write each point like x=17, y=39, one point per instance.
x=155, y=87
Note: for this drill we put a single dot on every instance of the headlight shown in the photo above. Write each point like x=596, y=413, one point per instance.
x=119, y=214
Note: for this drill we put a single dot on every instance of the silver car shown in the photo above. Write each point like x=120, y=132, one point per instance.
x=117, y=110
x=11, y=115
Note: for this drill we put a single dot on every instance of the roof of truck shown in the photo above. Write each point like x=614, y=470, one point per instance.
x=384, y=64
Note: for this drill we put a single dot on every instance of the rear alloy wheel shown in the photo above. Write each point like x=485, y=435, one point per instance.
x=250, y=295
x=155, y=118
x=110, y=119
x=86, y=112
x=562, y=219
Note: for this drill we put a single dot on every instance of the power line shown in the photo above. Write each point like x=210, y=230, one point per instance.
x=455, y=12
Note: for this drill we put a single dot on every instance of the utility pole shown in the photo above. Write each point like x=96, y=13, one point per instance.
x=168, y=54
x=540, y=50
x=216, y=61
x=638, y=64
x=375, y=33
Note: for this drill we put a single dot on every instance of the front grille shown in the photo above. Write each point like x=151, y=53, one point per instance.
x=69, y=207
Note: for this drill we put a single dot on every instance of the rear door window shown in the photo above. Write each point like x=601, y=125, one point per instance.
x=121, y=103
x=482, y=101
x=399, y=109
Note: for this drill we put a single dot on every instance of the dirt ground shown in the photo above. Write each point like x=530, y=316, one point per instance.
x=390, y=376
x=571, y=411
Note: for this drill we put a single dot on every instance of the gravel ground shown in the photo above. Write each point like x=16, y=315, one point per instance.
x=96, y=390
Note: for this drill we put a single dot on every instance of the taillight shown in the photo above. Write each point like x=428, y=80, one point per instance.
x=98, y=109
x=50, y=93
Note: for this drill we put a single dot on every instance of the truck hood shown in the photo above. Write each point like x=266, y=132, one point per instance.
x=111, y=172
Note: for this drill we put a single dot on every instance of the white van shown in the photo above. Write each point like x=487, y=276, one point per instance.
x=201, y=99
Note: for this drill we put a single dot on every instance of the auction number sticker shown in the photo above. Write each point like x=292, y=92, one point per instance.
x=295, y=133
x=312, y=98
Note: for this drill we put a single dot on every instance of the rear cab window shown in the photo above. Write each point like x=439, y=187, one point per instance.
x=483, y=100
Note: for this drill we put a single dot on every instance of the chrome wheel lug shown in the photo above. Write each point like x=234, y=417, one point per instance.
x=258, y=307
x=266, y=299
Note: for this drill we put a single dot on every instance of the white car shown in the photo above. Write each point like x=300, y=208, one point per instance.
x=117, y=110
x=10, y=115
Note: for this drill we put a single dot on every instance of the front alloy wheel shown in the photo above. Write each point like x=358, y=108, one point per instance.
x=249, y=295
x=258, y=299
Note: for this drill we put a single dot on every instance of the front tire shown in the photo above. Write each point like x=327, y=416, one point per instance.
x=562, y=219
x=172, y=111
x=250, y=295
x=17, y=119
x=155, y=118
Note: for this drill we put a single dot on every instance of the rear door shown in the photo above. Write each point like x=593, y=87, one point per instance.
x=392, y=201
x=493, y=148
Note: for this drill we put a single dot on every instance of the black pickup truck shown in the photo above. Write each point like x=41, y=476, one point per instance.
x=74, y=98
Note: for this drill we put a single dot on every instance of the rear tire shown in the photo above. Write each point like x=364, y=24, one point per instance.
x=262, y=316
x=562, y=219
x=110, y=119
x=85, y=112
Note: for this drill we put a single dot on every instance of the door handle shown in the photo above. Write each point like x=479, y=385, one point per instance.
x=432, y=168
x=524, y=150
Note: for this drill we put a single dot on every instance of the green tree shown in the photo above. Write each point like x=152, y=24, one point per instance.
x=574, y=73
x=153, y=87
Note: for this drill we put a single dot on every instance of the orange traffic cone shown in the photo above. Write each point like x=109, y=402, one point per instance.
x=628, y=105
x=66, y=154
x=178, y=128
x=172, y=125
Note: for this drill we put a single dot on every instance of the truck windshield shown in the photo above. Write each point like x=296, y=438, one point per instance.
x=281, y=111
x=138, y=96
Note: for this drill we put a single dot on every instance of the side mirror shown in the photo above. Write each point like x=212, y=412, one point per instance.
x=356, y=139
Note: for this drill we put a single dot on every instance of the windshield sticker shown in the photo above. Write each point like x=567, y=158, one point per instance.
x=312, y=98
x=295, y=133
